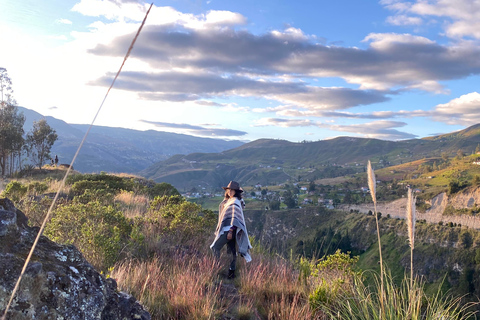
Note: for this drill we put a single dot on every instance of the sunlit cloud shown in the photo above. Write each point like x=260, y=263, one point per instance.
x=197, y=130
x=402, y=20
x=461, y=17
x=464, y=110
x=381, y=129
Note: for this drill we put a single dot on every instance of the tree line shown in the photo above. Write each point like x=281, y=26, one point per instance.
x=14, y=143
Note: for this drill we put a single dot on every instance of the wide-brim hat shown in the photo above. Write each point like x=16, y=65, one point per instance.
x=234, y=185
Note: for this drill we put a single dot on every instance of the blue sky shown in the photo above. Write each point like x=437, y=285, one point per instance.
x=294, y=70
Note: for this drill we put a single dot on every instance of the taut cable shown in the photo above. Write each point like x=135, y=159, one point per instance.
x=17, y=285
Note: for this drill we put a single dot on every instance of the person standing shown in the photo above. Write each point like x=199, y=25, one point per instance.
x=231, y=229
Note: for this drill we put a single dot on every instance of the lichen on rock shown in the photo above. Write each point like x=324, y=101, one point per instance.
x=58, y=282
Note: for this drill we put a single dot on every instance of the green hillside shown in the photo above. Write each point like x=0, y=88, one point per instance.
x=272, y=162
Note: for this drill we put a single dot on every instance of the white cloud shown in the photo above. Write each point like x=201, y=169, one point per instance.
x=464, y=110
x=460, y=16
x=285, y=123
x=385, y=130
x=402, y=20
x=225, y=18
x=111, y=10
x=382, y=129
x=63, y=21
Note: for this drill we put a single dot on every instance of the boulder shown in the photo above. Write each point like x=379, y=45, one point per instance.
x=58, y=282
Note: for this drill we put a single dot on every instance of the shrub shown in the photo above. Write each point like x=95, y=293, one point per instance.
x=79, y=187
x=36, y=188
x=454, y=187
x=15, y=191
x=99, y=232
x=162, y=189
x=332, y=278
x=113, y=182
x=174, y=222
x=466, y=239
x=103, y=196
x=178, y=216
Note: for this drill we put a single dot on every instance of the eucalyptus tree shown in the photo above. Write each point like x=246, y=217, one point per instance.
x=5, y=85
x=40, y=140
x=11, y=126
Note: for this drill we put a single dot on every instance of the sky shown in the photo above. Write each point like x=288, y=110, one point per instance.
x=245, y=70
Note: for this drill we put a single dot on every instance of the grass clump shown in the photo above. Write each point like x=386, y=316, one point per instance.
x=407, y=301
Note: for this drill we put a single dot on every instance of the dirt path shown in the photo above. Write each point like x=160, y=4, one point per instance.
x=397, y=209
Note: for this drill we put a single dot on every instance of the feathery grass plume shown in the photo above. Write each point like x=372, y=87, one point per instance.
x=372, y=186
x=372, y=182
x=411, y=200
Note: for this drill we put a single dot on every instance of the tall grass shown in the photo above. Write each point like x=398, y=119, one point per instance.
x=411, y=200
x=132, y=205
x=401, y=303
x=372, y=185
x=174, y=287
x=274, y=287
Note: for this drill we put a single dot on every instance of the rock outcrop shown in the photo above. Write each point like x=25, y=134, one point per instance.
x=58, y=283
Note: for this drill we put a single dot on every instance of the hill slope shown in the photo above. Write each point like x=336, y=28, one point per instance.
x=118, y=149
x=269, y=162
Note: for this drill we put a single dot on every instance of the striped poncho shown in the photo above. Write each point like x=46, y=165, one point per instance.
x=231, y=214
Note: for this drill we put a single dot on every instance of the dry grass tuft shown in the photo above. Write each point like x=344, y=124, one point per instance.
x=274, y=286
x=174, y=287
x=132, y=205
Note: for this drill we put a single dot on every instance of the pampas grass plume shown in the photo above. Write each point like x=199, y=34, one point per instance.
x=371, y=182
x=411, y=217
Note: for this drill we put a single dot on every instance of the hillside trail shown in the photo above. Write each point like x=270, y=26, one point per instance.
x=435, y=214
x=229, y=292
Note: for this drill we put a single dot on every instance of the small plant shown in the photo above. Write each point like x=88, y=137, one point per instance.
x=15, y=191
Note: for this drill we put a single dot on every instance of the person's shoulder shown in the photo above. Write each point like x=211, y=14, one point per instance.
x=239, y=202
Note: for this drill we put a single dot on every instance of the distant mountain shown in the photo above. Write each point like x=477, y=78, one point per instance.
x=118, y=149
x=270, y=162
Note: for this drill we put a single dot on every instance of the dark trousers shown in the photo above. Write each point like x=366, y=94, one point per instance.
x=231, y=248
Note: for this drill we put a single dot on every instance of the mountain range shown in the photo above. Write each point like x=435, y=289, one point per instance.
x=118, y=149
x=269, y=162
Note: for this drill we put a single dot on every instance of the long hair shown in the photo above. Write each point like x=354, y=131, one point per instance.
x=238, y=194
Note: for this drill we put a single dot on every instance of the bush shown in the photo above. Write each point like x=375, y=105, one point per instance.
x=274, y=205
x=174, y=222
x=175, y=215
x=454, y=187
x=103, y=196
x=79, y=187
x=36, y=188
x=15, y=191
x=332, y=278
x=99, y=232
x=113, y=182
x=162, y=189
